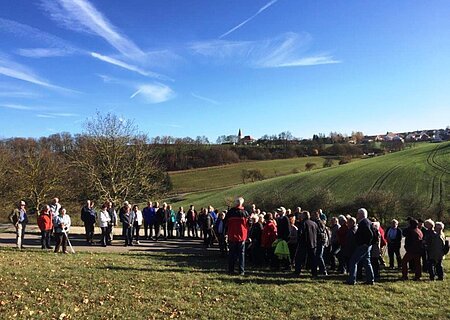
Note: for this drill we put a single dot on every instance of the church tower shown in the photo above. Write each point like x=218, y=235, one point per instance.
x=239, y=135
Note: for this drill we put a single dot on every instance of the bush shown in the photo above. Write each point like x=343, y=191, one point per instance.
x=309, y=166
x=252, y=174
x=345, y=160
x=328, y=163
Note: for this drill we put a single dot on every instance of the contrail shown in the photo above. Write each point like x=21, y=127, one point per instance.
x=249, y=19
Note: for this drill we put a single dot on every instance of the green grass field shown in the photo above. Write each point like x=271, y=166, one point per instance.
x=230, y=175
x=42, y=285
x=423, y=171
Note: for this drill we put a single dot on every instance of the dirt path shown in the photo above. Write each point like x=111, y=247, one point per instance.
x=76, y=236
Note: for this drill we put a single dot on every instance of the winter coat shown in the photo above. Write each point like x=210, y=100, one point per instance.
x=45, y=222
x=191, y=216
x=256, y=233
x=269, y=234
x=149, y=214
x=208, y=222
x=364, y=233
x=342, y=235
x=283, y=229
x=139, y=217
x=435, y=248
x=395, y=241
x=307, y=234
x=103, y=219
x=88, y=215
x=58, y=221
x=350, y=243
x=413, y=241
x=236, y=224
x=127, y=219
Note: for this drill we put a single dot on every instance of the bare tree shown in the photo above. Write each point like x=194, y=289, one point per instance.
x=35, y=172
x=117, y=161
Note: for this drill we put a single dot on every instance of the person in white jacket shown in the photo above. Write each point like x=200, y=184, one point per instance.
x=61, y=224
x=138, y=222
x=103, y=221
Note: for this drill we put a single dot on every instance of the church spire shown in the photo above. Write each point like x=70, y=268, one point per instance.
x=240, y=134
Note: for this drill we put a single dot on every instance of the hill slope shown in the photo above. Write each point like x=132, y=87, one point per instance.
x=230, y=175
x=423, y=171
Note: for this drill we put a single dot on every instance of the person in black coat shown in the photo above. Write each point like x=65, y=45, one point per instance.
x=89, y=217
x=307, y=244
x=208, y=223
x=161, y=221
x=255, y=234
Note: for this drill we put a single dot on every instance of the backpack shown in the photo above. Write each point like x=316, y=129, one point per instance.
x=446, y=247
x=376, y=237
x=322, y=233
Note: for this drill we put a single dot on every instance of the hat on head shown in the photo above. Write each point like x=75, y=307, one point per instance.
x=281, y=209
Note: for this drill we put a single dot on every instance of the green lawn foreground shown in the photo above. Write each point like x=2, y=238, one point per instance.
x=42, y=285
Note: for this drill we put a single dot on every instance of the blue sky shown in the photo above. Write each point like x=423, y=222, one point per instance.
x=189, y=68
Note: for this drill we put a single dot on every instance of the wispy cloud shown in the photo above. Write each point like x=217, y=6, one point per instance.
x=17, y=107
x=56, y=115
x=302, y=62
x=13, y=91
x=128, y=66
x=286, y=50
x=154, y=93
x=81, y=15
x=57, y=46
x=269, y=4
x=209, y=100
x=15, y=70
x=43, y=52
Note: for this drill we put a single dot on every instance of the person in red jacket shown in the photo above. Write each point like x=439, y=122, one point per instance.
x=236, y=224
x=45, y=224
x=269, y=235
x=413, y=247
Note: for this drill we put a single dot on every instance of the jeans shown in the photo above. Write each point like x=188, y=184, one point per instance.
x=208, y=237
x=45, y=239
x=128, y=233
x=435, y=269
x=319, y=259
x=192, y=228
x=89, y=229
x=181, y=229
x=361, y=254
x=148, y=226
x=104, y=238
x=236, y=251
x=136, y=230
x=394, y=249
x=302, y=255
x=61, y=240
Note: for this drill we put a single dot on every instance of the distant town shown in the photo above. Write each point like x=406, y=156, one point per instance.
x=433, y=135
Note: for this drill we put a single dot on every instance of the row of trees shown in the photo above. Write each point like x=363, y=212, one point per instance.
x=110, y=160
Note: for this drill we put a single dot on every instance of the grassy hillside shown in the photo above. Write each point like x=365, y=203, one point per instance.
x=423, y=171
x=230, y=175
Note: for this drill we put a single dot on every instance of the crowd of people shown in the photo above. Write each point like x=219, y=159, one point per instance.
x=285, y=239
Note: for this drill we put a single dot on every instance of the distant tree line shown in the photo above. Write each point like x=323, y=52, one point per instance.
x=110, y=160
x=384, y=205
